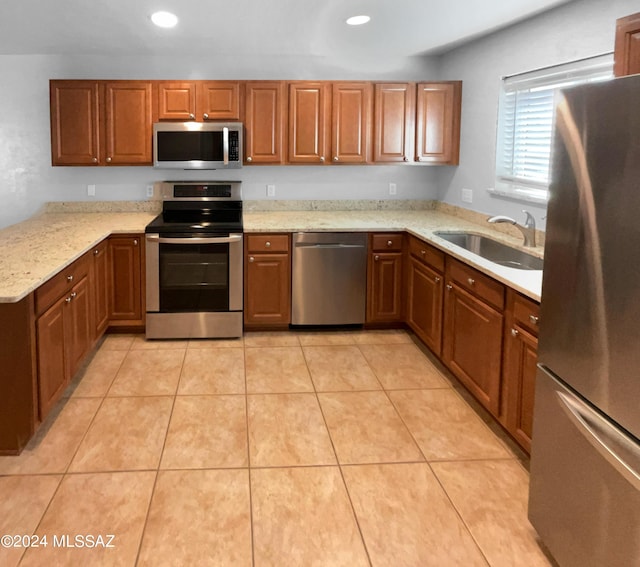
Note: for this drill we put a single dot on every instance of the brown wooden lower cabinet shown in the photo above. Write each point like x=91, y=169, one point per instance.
x=384, y=278
x=101, y=283
x=126, y=258
x=519, y=368
x=267, y=281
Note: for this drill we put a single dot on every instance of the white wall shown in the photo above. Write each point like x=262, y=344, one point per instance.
x=27, y=180
x=573, y=31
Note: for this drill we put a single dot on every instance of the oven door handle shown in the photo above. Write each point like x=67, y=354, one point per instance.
x=195, y=239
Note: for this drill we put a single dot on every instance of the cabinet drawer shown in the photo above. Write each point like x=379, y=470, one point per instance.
x=427, y=253
x=268, y=243
x=476, y=282
x=62, y=282
x=386, y=242
x=525, y=312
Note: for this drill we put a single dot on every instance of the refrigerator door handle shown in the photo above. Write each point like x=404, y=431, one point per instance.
x=608, y=441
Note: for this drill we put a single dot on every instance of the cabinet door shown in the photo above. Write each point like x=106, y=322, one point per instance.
x=126, y=279
x=394, y=124
x=264, y=121
x=74, y=122
x=218, y=100
x=79, y=328
x=176, y=101
x=52, y=367
x=351, y=122
x=128, y=123
x=425, y=302
x=384, y=296
x=519, y=378
x=438, y=122
x=627, y=49
x=100, y=280
x=267, y=289
x=309, y=126
x=472, y=344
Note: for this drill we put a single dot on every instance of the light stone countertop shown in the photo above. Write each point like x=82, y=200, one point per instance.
x=421, y=223
x=35, y=250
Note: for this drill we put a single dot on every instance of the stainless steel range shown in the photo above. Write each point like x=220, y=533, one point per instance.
x=194, y=262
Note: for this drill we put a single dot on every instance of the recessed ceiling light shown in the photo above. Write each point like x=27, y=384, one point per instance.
x=164, y=19
x=358, y=20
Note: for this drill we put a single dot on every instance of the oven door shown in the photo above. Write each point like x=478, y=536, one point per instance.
x=194, y=274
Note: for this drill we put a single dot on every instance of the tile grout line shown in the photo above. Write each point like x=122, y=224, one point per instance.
x=344, y=482
x=155, y=480
x=246, y=413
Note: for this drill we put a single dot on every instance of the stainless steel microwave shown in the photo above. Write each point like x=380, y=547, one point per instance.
x=197, y=145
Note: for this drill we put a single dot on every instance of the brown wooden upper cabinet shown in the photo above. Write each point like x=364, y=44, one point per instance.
x=101, y=122
x=309, y=122
x=264, y=119
x=394, y=126
x=351, y=121
x=438, y=122
x=199, y=100
x=627, y=48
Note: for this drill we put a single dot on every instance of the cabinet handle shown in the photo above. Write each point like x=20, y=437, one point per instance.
x=69, y=278
x=68, y=300
x=533, y=319
x=73, y=295
x=449, y=287
x=205, y=116
x=423, y=252
x=95, y=160
x=514, y=332
x=471, y=281
x=389, y=242
x=135, y=242
x=108, y=160
x=335, y=158
x=436, y=279
x=321, y=158
x=376, y=257
x=405, y=158
x=249, y=159
x=252, y=259
x=192, y=116
x=96, y=252
x=267, y=244
x=418, y=158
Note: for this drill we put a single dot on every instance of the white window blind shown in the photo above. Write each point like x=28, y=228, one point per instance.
x=525, y=123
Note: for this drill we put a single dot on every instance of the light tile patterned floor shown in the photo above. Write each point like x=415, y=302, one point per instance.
x=296, y=448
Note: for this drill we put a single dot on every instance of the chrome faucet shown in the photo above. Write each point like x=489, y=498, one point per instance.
x=528, y=230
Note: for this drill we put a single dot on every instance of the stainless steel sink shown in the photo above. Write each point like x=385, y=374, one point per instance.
x=492, y=250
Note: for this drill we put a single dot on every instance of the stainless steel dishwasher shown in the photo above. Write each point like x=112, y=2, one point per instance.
x=329, y=281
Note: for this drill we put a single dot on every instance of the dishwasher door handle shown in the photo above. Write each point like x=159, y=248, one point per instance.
x=336, y=245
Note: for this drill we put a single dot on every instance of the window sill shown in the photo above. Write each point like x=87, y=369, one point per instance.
x=522, y=194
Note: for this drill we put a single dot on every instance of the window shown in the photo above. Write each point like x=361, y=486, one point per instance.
x=525, y=124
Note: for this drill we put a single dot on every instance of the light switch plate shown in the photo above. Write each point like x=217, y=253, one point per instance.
x=271, y=190
x=467, y=196
x=393, y=190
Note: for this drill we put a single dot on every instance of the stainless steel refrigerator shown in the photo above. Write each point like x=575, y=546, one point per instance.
x=585, y=464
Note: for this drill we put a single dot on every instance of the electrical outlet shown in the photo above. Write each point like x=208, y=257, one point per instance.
x=149, y=190
x=392, y=189
x=271, y=190
x=467, y=196
x=91, y=190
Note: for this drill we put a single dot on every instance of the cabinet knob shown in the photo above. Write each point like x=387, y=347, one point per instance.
x=335, y=158
x=423, y=252
x=405, y=158
x=321, y=158
x=252, y=259
x=205, y=116
x=514, y=332
x=533, y=319
x=376, y=257
x=108, y=160
x=68, y=300
x=192, y=116
x=267, y=244
x=96, y=252
x=389, y=242
x=73, y=295
x=249, y=159
x=135, y=242
x=436, y=279
x=449, y=287
x=95, y=160
x=471, y=281
x=69, y=278
x=418, y=158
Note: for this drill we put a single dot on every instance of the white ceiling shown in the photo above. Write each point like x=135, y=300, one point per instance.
x=246, y=27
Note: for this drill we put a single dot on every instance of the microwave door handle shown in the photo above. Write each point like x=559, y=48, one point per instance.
x=196, y=239
x=225, y=145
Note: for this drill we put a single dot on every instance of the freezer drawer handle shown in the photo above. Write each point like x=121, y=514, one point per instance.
x=595, y=431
